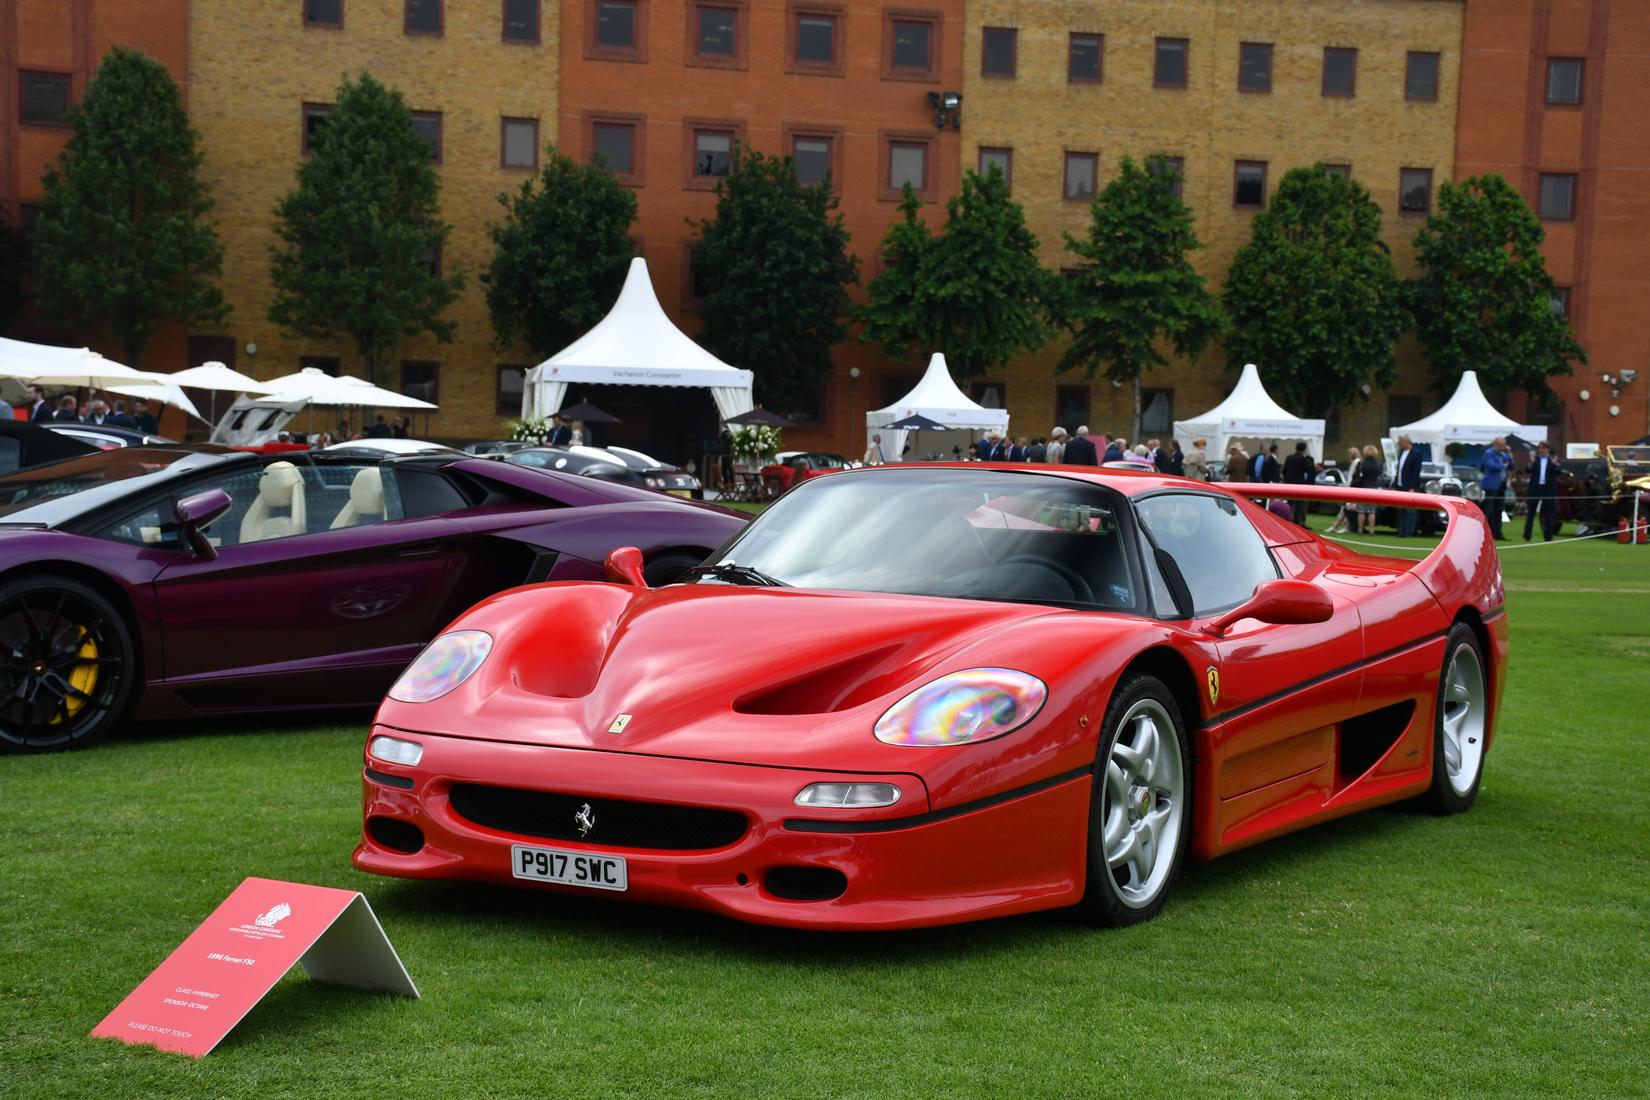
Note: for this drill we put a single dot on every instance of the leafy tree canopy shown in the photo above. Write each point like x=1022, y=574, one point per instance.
x=560, y=255
x=121, y=242
x=1313, y=297
x=775, y=266
x=975, y=291
x=1484, y=300
x=360, y=234
x=13, y=259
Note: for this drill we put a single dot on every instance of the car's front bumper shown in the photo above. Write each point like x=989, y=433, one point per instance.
x=904, y=866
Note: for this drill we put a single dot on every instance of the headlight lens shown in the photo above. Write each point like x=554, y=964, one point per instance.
x=393, y=750
x=445, y=663
x=848, y=795
x=976, y=704
x=1475, y=491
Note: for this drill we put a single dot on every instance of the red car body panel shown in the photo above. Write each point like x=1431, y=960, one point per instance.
x=739, y=697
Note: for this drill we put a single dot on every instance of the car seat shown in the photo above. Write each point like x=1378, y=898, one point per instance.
x=366, y=500
x=281, y=486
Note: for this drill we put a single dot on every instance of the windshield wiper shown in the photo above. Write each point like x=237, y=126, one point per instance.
x=736, y=574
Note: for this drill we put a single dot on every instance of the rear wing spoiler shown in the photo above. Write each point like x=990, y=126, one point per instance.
x=1387, y=498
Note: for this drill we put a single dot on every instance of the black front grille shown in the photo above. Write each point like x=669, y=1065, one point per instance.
x=617, y=823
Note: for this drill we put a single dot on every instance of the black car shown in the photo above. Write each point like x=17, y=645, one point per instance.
x=570, y=461
x=105, y=437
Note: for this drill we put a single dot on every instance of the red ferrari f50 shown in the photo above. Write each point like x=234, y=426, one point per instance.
x=908, y=696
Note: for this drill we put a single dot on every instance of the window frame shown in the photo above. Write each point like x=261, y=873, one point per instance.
x=886, y=141
x=1547, y=99
x=1426, y=209
x=1185, y=58
x=1066, y=159
x=936, y=23
x=538, y=24
x=1541, y=188
x=637, y=124
x=794, y=14
x=1437, y=75
x=595, y=51
x=1352, y=83
x=435, y=383
x=1270, y=56
x=1565, y=297
x=498, y=389
x=1088, y=407
x=1099, y=76
x=308, y=22
x=740, y=57
x=1340, y=168
x=1008, y=170
x=1013, y=53
x=440, y=132
x=304, y=111
x=23, y=76
x=1179, y=165
x=1147, y=396
x=977, y=388
x=504, y=122
x=793, y=132
x=1237, y=167
x=691, y=129
x=440, y=20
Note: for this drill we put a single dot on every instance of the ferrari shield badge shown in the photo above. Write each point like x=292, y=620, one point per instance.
x=1213, y=677
x=619, y=724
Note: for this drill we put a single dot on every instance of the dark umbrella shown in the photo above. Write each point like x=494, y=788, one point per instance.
x=1641, y=441
x=588, y=413
x=916, y=422
x=1519, y=443
x=761, y=418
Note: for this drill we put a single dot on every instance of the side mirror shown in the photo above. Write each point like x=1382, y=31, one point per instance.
x=195, y=514
x=1278, y=602
x=624, y=566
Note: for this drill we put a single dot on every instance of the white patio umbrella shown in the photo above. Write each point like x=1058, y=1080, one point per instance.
x=213, y=375
x=320, y=388
x=83, y=367
x=161, y=391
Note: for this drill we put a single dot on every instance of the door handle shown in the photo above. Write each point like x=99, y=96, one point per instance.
x=426, y=551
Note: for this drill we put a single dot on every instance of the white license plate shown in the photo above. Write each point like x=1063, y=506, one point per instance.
x=685, y=494
x=569, y=868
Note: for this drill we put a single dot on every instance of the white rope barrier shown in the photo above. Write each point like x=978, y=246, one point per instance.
x=1503, y=549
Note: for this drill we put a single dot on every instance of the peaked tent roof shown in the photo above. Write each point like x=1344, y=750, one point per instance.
x=937, y=397
x=1467, y=415
x=1248, y=413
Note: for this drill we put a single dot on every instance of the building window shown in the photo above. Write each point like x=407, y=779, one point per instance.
x=1082, y=169
x=1564, y=81
x=716, y=34
x=911, y=46
x=326, y=364
x=315, y=118
x=812, y=156
x=1403, y=408
x=615, y=29
x=1000, y=159
x=1421, y=77
x=614, y=146
x=1415, y=190
x=1558, y=196
x=1560, y=300
x=998, y=49
x=521, y=21
x=1342, y=170
x=1156, y=412
x=432, y=259
x=1170, y=169
x=511, y=384
x=1071, y=407
x=422, y=17
x=421, y=379
x=908, y=164
x=1169, y=68
x=990, y=395
x=428, y=126
x=712, y=154
x=1249, y=184
x=1083, y=54
x=519, y=143
x=697, y=286
x=1254, y=66
x=324, y=13
x=45, y=99
x=1340, y=71
x=813, y=40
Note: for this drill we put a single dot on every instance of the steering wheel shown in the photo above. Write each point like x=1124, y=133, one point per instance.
x=1080, y=589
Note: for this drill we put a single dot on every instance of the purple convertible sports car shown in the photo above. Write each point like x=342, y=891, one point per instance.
x=316, y=582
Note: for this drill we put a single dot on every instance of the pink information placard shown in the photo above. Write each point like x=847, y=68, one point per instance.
x=227, y=965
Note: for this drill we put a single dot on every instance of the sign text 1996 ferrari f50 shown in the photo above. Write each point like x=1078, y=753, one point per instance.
x=909, y=696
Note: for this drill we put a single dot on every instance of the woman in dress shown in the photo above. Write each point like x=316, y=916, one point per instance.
x=1368, y=476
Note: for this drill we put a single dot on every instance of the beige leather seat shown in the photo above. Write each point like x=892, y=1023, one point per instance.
x=281, y=487
x=366, y=500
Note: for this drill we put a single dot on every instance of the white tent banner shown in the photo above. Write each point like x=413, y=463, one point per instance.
x=1249, y=415
x=937, y=397
x=636, y=344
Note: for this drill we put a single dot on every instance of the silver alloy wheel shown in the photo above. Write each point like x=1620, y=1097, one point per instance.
x=1465, y=709
x=1142, y=802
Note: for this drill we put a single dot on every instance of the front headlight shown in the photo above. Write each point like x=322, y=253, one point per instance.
x=976, y=704
x=445, y=663
x=395, y=750
x=1475, y=491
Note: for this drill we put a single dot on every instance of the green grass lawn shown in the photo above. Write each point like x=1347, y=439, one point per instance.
x=1503, y=952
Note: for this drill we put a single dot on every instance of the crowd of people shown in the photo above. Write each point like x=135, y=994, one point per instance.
x=37, y=406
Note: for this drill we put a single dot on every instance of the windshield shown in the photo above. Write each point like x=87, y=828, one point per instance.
x=1023, y=538
x=36, y=495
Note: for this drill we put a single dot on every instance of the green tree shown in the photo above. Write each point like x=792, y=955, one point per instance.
x=976, y=291
x=121, y=242
x=1135, y=291
x=1313, y=297
x=13, y=260
x=1484, y=300
x=360, y=233
x=560, y=255
x=775, y=266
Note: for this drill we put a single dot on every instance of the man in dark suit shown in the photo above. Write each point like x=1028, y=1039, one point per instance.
x=560, y=434
x=149, y=425
x=1406, y=478
x=39, y=407
x=1299, y=469
x=1542, y=494
x=1080, y=451
x=1269, y=469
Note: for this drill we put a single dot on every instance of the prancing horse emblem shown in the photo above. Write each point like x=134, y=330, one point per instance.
x=585, y=819
x=619, y=724
x=1214, y=685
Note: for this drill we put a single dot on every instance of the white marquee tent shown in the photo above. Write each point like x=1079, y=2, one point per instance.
x=937, y=397
x=1250, y=416
x=635, y=345
x=1467, y=417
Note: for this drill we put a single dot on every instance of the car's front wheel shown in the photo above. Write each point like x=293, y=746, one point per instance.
x=1460, y=725
x=1140, y=816
x=66, y=664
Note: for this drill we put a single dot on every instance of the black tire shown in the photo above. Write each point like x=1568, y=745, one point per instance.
x=1460, y=725
x=666, y=568
x=1119, y=896
x=67, y=664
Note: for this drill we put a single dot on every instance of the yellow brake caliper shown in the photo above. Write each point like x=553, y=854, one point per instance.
x=82, y=677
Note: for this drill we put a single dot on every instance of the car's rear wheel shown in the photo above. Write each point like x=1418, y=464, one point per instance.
x=667, y=568
x=1140, y=816
x=1460, y=725
x=66, y=664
